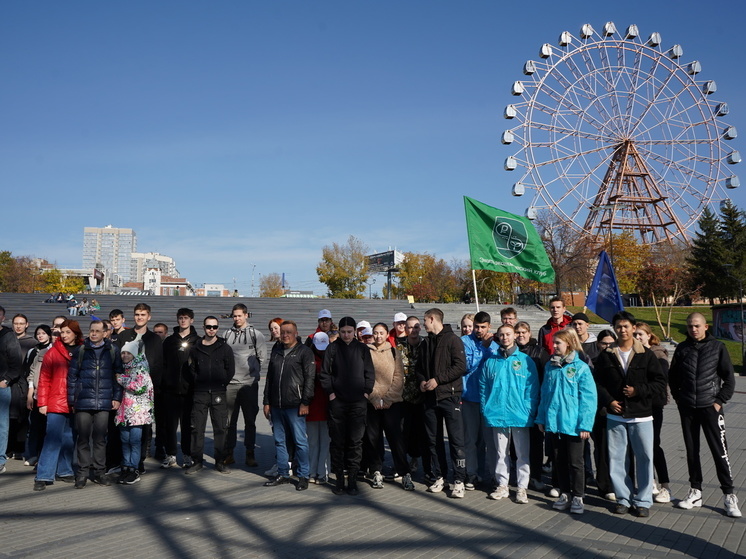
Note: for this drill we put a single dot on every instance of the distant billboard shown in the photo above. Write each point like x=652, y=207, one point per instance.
x=384, y=261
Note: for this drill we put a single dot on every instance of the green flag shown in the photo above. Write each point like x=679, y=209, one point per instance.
x=505, y=242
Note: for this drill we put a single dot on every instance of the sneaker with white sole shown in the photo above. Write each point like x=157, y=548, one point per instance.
x=693, y=499
x=169, y=462
x=577, y=506
x=610, y=497
x=458, y=490
x=656, y=488
x=731, y=506
x=437, y=485
x=501, y=492
x=406, y=482
x=554, y=492
x=377, y=480
x=520, y=496
x=663, y=496
x=563, y=503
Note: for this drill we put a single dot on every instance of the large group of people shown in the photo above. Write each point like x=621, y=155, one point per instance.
x=82, y=408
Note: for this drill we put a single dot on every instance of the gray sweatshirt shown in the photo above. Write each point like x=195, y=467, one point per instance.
x=248, y=357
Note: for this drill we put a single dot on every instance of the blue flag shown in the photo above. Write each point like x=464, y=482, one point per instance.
x=604, y=297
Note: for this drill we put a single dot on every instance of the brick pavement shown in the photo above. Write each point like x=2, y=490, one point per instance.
x=232, y=516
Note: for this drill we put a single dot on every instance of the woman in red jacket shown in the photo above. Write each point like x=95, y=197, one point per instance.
x=56, y=457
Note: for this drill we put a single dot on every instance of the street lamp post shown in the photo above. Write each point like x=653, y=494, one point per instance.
x=370, y=288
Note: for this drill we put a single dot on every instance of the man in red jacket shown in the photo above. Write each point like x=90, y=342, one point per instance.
x=557, y=321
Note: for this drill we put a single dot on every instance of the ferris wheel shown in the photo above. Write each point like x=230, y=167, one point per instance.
x=618, y=134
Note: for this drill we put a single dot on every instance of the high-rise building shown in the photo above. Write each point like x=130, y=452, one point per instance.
x=111, y=247
x=143, y=261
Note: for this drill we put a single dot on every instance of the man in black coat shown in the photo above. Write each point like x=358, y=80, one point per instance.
x=288, y=392
x=702, y=381
x=211, y=367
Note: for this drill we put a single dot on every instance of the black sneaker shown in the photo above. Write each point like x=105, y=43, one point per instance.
x=222, y=468
x=302, y=484
x=40, y=485
x=641, y=512
x=132, y=478
x=279, y=480
x=194, y=468
x=65, y=479
x=102, y=480
x=80, y=482
x=621, y=509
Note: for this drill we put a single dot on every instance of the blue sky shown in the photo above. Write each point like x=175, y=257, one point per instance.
x=238, y=133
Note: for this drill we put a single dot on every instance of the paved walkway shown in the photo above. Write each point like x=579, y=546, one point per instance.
x=232, y=516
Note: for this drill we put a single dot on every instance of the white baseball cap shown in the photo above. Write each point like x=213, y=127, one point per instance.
x=324, y=313
x=366, y=331
x=362, y=324
x=320, y=341
x=400, y=317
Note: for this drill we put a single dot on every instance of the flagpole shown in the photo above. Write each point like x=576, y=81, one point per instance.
x=476, y=295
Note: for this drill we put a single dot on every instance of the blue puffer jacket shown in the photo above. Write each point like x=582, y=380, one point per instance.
x=509, y=389
x=91, y=380
x=475, y=353
x=568, y=397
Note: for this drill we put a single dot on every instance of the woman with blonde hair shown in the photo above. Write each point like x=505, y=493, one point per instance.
x=567, y=410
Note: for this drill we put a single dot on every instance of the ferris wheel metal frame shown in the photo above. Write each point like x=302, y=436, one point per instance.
x=618, y=134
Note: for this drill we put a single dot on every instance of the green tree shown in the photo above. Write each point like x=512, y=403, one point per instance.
x=54, y=281
x=733, y=234
x=271, y=285
x=344, y=269
x=707, y=256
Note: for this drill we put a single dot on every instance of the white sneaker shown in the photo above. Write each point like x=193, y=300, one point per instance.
x=520, y=496
x=563, y=503
x=501, y=492
x=377, y=480
x=656, y=488
x=577, y=506
x=610, y=497
x=693, y=499
x=731, y=506
x=437, y=486
x=168, y=462
x=272, y=472
x=458, y=490
x=663, y=496
x=554, y=492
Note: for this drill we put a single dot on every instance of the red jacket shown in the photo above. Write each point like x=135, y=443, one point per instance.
x=546, y=332
x=53, y=378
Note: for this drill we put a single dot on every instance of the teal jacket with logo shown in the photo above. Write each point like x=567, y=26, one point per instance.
x=509, y=389
x=568, y=397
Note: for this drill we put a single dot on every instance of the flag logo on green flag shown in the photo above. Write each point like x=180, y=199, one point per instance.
x=505, y=242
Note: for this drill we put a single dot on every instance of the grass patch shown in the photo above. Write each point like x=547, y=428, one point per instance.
x=678, y=327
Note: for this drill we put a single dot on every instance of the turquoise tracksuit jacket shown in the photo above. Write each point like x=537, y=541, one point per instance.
x=568, y=397
x=509, y=389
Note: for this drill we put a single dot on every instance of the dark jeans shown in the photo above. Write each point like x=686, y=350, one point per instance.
x=177, y=410
x=448, y=410
x=242, y=399
x=712, y=424
x=215, y=404
x=659, y=457
x=601, y=455
x=346, y=429
x=569, y=464
x=92, y=427
x=386, y=421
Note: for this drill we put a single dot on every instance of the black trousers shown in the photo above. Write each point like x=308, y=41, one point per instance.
x=242, y=399
x=346, y=422
x=91, y=427
x=601, y=455
x=536, y=452
x=215, y=404
x=659, y=457
x=415, y=436
x=569, y=463
x=177, y=411
x=386, y=421
x=712, y=424
x=448, y=410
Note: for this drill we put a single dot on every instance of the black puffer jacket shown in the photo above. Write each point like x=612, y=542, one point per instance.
x=176, y=351
x=701, y=373
x=11, y=357
x=211, y=366
x=445, y=361
x=537, y=353
x=290, y=378
x=91, y=379
x=347, y=371
x=643, y=373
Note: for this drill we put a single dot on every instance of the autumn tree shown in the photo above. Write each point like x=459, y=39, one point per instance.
x=18, y=274
x=270, y=285
x=628, y=257
x=570, y=253
x=344, y=269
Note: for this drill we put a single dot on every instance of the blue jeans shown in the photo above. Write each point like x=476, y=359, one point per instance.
x=131, y=436
x=284, y=422
x=57, y=452
x=639, y=436
x=4, y=422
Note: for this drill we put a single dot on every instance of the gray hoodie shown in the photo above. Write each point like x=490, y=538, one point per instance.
x=248, y=358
